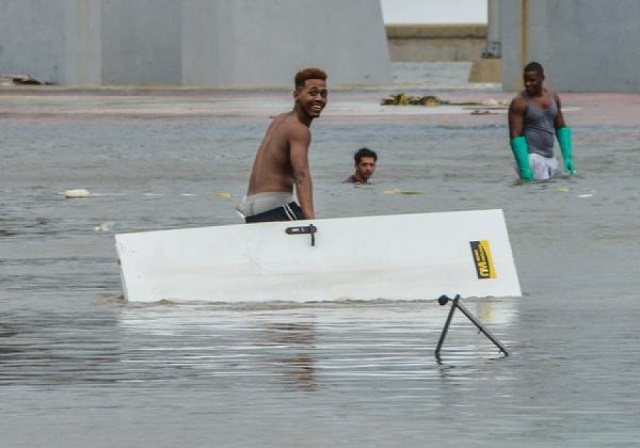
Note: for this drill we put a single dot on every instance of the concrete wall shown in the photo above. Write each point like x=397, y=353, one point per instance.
x=584, y=45
x=142, y=42
x=213, y=43
x=253, y=42
x=82, y=62
x=32, y=44
x=436, y=43
x=34, y=40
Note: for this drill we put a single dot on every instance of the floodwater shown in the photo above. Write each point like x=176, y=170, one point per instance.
x=80, y=367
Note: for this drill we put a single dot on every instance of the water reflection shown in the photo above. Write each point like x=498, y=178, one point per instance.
x=6, y=349
x=299, y=346
x=294, y=344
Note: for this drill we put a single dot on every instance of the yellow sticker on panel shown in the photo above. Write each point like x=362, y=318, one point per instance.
x=482, y=259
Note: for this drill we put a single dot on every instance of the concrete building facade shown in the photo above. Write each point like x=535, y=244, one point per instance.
x=584, y=45
x=209, y=43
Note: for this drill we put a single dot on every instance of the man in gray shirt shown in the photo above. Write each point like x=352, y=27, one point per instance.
x=535, y=115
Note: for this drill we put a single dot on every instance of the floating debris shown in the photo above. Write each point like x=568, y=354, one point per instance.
x=398, y=191
x=591, y=194
x=104, y=226
x=20, y=80
x=401, y=99
x=76, y=193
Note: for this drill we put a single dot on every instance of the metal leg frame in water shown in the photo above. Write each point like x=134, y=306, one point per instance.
x=455, y=303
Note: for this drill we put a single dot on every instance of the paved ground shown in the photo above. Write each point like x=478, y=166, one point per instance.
x=54, y=103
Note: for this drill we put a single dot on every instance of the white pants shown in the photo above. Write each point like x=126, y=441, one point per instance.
x=263, y=202
x=544, y=167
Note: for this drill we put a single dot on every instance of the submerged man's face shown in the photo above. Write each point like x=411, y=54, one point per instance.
x=365, y=168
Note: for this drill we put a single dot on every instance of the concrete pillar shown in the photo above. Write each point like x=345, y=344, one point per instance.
x=233, y=43
x=207, y=43
x=489, y=68
x=32, y=39
x=141, y=42
x=584, y=45
x=82, y=47
x=493, y=48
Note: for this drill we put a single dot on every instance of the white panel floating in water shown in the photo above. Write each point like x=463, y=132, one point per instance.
x=396, y=257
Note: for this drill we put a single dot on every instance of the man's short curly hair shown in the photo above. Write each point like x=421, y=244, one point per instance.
x=309, y=73
x=534, y=67
x=365, y=152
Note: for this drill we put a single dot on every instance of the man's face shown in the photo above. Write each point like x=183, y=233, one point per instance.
x=312, y=97
x=533, y=82
x=365, y=168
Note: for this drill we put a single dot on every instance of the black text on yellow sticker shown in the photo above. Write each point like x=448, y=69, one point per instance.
x=482, y=259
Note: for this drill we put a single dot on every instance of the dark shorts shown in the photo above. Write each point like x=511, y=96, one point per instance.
x=289, y=212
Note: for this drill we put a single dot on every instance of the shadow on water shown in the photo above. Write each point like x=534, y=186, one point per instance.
x=47, y=348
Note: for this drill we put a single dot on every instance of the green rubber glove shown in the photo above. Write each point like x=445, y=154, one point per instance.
x=564, y=138
x=521, y=154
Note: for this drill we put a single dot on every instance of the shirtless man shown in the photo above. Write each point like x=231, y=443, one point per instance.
x=534, y=116
x=282, y=161
x=364, y=165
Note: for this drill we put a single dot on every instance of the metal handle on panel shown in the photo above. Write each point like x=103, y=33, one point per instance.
x=303, y=230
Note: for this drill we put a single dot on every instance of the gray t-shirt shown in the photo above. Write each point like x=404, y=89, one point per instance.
x=539, y=130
